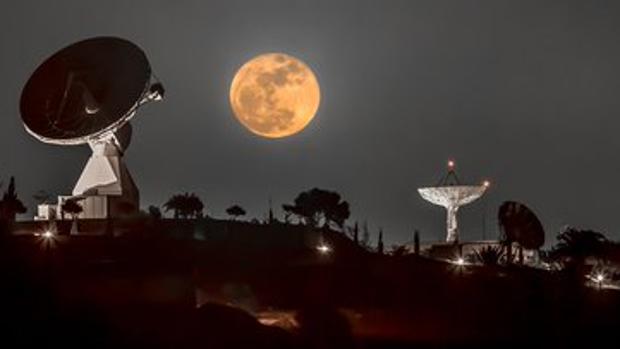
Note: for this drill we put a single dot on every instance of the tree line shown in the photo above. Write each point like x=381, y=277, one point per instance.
x=325, y=209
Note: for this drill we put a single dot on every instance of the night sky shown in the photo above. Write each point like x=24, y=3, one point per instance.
x=523, y=93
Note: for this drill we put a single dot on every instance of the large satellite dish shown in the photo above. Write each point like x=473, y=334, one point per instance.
x=86, y=93
x=451, y=194
x=519, y=224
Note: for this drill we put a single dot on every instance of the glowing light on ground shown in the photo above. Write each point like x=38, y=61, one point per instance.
x=324, y=248
x=459, y=261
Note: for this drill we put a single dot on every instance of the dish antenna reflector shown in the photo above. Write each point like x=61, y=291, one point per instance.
x=451, y=194
x=519, y=224
x=87, y=93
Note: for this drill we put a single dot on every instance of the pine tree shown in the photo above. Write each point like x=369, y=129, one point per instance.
x=10, y=205
x=416, y=242
x=380, y=242
x=365, y=236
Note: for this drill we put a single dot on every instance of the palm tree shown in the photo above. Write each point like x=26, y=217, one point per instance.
x=176, y=204
x=185, y=206
x=154, y=212
x=235, y=211
x=490, y=255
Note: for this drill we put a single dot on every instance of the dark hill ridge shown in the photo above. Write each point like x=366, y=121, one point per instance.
x=213, y=231
x=199, y=251
x=161, y=265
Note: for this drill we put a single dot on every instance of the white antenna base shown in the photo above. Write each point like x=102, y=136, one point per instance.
x=105, y=187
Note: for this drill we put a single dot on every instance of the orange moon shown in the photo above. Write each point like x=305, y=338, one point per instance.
x=275, y=95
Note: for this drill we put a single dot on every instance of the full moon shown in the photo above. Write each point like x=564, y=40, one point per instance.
x=275, y=95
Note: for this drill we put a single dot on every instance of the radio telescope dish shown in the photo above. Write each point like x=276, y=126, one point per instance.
x=519, y=224
x=451, y=194
x=122, y=137
x=86, y=93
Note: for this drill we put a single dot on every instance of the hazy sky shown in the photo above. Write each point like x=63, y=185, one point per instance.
x=523, y=93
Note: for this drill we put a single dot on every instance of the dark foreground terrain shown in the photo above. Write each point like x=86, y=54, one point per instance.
x=217, y=284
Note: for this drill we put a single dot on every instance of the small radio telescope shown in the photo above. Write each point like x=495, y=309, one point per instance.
x=520, y=224
x=86, y=93
x=451, y=194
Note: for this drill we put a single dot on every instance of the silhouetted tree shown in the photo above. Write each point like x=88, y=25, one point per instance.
x=72, y=208
x=236, y=211
x=195, y=206
x=185, y=206
x=489, y=255
x=416, y=242
x=356, y=238
x=176, y=204
x=11, y=205
x=319, y=208
x=270, y=218
x=575, y=246
x=365, y=242
x=380, y=242
x=154, y=212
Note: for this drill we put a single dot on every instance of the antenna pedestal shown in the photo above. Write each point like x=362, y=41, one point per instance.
x=105, y=185
x=451, y=224
x=451, y=195
x=87, y=93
